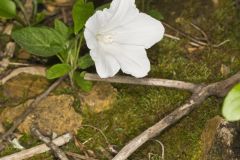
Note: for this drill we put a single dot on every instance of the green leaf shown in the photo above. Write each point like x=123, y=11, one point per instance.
x=102, y=7
x=85, y=61
x=156, y=14
x=7, y=9
x=58, y=70
x=39, y=17
x=61, y=28
x=43, y=42
x=231, y=105
x=81, y=82
x=81, y=12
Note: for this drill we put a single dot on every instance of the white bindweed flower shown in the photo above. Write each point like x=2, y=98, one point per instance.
x=118, y=38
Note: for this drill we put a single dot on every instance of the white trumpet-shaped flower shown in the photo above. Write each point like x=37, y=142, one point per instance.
x=118, y=38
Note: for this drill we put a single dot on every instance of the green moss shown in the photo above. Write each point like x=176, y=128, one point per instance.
x=139, y=107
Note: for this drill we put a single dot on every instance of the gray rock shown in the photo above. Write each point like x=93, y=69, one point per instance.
x=220, y=140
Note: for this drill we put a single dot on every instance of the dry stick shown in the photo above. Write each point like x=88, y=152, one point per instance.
x=56, y=150
x=200, y=93
x=144, y=81
x=78, y=156
x=34, y=70
x=193, y=41
x=178, y=39
x=216, y=89
x=38, y=149
x=185, y=35
x=32, y=106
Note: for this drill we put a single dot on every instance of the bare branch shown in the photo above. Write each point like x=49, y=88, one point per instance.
x=38, y=149
x=32, y=106
x=56, y=150
x=144, y=81
x=200, y=94
x=36, y=70
x=78, y=156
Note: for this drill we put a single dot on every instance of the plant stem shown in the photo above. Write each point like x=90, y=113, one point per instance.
x=20, y=5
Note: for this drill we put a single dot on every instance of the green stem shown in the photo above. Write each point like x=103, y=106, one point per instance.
x=19, y=20
x=73, y=56
x=20, y=5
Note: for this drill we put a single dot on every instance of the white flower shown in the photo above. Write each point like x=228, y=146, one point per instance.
x=118, y=38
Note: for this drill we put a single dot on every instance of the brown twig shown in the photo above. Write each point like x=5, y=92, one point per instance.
x=201, y=93
x=193, y=41
x=32, y=106
x=201, y=31
x=185, y=35
x=144, y=81
x=178, y=39
x=78, y=156
x=34, y=70
x=38, y=149
x=56, y=150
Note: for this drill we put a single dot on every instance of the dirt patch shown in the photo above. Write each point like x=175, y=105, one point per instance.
x=53, y=114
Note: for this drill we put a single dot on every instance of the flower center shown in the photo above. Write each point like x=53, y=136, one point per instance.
x=105, y=38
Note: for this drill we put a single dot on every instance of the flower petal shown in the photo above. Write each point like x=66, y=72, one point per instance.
x=142, y=31
x=98, y=20
x=90, y=39
x=122, y=12
x=94, y=25
x=132, y=59
x=106, y=64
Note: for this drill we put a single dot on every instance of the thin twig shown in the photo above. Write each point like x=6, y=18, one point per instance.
x=193, y=41
x=178, y=39
x=34, y=70
x=110, y=147
x=222, y=43
x=56, y=150
x=32, y=106
x=185, y=35
x=201, y=31
x=100, y=131
x=201, y=93
x=78, y=156
x=38, y=149
x=162, y=147
x=144, y=81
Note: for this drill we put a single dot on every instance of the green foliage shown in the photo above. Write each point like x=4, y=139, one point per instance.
x=102, y=7
x=7, y=9
x=81, y=82
x=58, y=70
x=44, y=42
x=47, y=42
x=156, y=14
x=85, y=62
x=39, y=17
x=81, y=12
x=231, y=106
x=62, y=28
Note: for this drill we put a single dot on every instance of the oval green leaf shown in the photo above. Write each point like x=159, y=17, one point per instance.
x=85, y=62
x=81, y=12
x=58, y=70
x=7, y=9
x=81, y=82
x=43, y=42
x=231, y=105
x=156, y=14
x=62, y=28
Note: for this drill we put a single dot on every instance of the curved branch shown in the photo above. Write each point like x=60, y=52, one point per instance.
x=159, y=127
x=32, y=106
x=144, y=81
x=201, y=93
